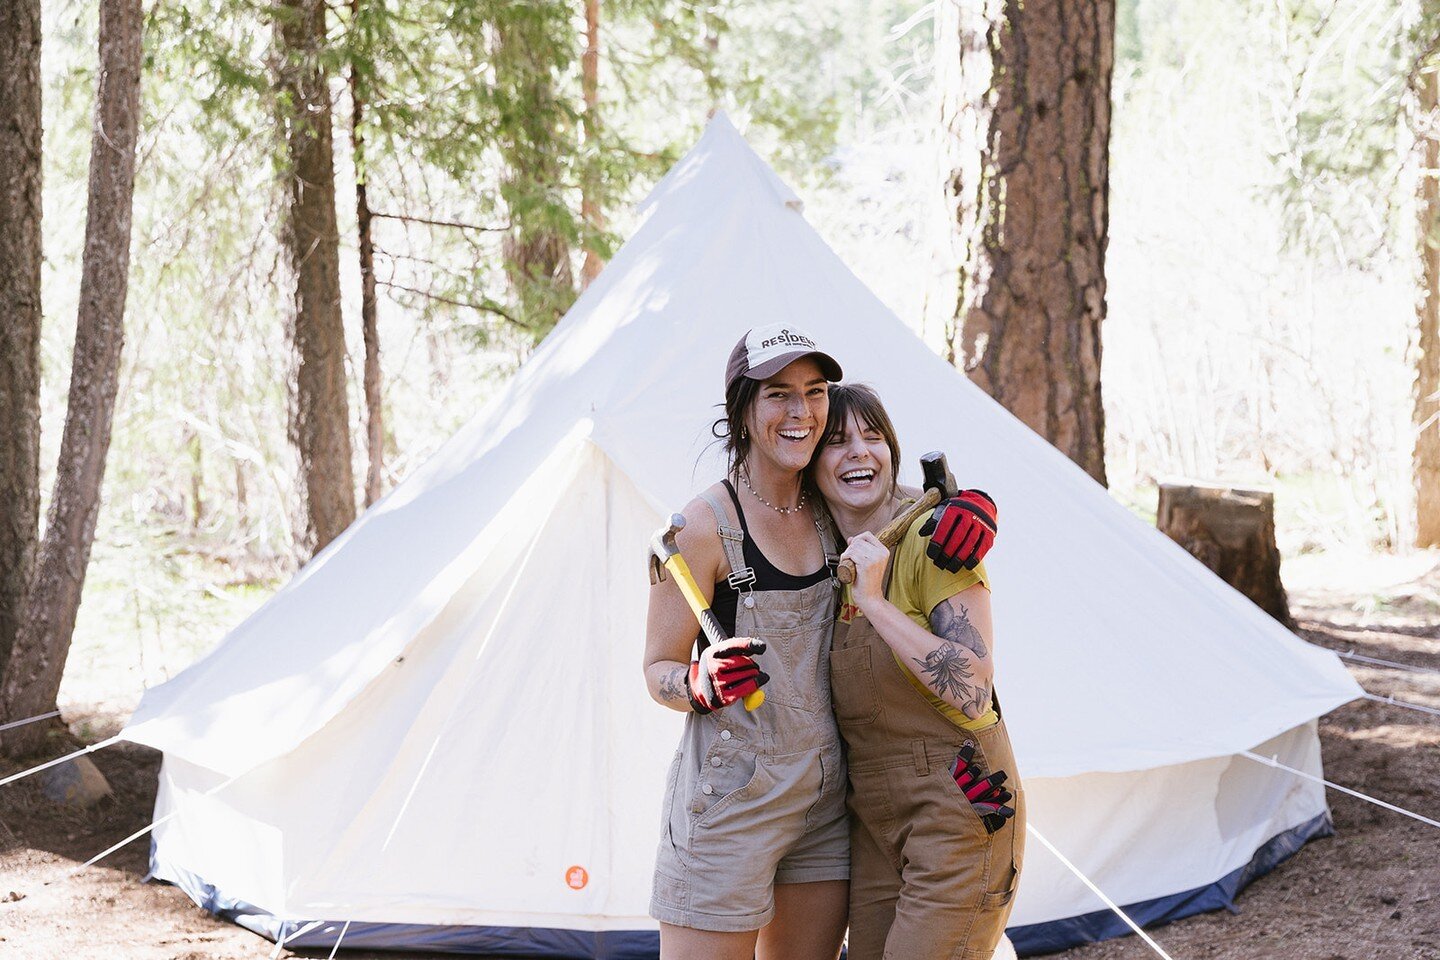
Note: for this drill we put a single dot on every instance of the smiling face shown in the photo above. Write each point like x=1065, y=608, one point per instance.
x=787, y=416
x=854, y=469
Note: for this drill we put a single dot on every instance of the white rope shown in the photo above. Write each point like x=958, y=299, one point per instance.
x=20, y=723
x=286, y=938
x=58, y=760
x=340, y=939
x=1030, y=828
x=1275, y=762
x=1376, y=661
x=1390, y=699
x=144, y=830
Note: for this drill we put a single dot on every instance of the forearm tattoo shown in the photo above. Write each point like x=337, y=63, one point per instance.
x=947, y=667
x=673, y=685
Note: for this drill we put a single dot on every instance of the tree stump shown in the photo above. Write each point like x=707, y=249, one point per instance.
x=1232, y=532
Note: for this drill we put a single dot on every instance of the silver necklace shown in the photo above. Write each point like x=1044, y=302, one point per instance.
x=783, y=511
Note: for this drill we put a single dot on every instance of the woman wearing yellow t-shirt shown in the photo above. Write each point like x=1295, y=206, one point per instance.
x=937, y=828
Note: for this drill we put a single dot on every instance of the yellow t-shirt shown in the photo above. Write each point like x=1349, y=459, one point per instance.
x=917, y=586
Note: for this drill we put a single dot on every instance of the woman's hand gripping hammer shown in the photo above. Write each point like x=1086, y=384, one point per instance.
x=939, y=484
x=665, y=555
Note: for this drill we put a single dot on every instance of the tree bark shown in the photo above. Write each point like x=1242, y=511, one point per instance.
x=369, y=308
x=537, y=256
x=319, y=409
x=53, y=598
x=1034, y=214
x=1233, y=533
x=590, y=206
x=1426, y=454
x=20, y=245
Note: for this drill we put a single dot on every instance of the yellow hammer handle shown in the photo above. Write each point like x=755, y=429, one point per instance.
x=685, y=580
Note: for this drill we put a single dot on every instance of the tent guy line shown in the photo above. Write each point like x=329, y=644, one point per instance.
x=1114, y=907
x=20, y=723
x=1376, y=661
x=339, y=940
x=1390, y=699
x=280, y=943
x=1275, y=762
x=59, y=760
x=144, y=830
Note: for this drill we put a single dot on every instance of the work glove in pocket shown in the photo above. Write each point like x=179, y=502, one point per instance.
x=986, y=794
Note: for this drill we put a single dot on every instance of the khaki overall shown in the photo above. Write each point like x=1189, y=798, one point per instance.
x=926, y=880
x=758, y=798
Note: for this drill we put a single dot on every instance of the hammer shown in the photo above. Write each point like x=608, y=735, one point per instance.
x=665, y=555
x=938, y=484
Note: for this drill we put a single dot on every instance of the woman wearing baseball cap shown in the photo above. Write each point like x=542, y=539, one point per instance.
x=754, y=852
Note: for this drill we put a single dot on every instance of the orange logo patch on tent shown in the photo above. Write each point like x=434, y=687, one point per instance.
x=576, y=878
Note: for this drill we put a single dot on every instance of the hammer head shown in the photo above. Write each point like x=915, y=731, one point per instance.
x=937, y=475
x=663, y=546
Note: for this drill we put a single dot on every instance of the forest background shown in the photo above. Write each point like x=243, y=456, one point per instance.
x=1262, y=273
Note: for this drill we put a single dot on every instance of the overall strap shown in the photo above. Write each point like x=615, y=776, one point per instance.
x=732, y=538
x=829, y=536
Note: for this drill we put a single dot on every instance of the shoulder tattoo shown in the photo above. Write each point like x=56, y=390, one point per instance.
x=947, y=624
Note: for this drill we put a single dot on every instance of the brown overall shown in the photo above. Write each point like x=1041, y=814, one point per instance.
x=758, y=798
x=926, y=880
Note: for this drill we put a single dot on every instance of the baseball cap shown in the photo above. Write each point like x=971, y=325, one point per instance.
x=765, y=351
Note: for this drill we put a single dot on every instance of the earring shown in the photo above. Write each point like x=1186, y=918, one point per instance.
x=744, y=433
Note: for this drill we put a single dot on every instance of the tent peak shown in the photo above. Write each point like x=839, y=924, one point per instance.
x=721, y=162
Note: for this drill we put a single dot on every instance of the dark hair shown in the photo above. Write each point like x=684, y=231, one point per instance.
x=730, y=429
x=861, y=400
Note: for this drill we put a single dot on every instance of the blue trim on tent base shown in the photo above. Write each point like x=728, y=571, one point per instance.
x=536, y=942
x=1056, y=935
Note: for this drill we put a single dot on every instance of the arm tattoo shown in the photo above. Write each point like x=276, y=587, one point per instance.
x=946, y=668
x=976, y=708
x=957, y=628
x=674, y=685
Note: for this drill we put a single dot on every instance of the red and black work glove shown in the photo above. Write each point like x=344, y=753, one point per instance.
x=731, y=672
x=961, y=531
x=985, y=794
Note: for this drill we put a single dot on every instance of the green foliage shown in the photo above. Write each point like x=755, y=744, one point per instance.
x=474, y=150
x=1341, y=86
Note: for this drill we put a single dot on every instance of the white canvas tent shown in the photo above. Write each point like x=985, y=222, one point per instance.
x=438, y=732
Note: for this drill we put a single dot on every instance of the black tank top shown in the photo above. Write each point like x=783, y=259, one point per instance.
x=767, y=575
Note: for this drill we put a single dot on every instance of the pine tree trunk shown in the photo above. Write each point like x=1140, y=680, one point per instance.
x=590, y=207
x=537, y=257
x=1034, y=213
x=369, y=309
x=319, y=408
x=53, y=599
x=1426, y=457
x=20, y=244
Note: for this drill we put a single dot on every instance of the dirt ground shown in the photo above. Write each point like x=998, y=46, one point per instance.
x=1371, y=891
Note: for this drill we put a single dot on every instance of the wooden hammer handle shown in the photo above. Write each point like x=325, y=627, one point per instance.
x=894, y=530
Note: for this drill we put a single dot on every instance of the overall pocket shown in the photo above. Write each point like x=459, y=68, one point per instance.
x=852, y=686
x=729, y=775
